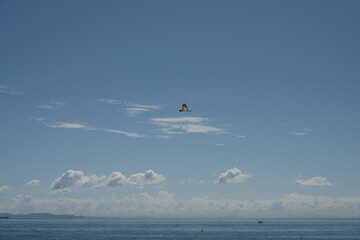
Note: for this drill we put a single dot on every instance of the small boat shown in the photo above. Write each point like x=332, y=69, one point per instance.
x=260, y=221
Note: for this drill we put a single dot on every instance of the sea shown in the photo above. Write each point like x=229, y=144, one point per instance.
x=45, y=229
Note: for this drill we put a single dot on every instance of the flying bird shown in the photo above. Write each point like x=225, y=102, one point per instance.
x=184, y=108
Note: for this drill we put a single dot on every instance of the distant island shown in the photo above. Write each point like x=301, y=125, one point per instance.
x=37, y=216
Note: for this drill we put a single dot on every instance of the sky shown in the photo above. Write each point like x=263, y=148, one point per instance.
x=90, y=93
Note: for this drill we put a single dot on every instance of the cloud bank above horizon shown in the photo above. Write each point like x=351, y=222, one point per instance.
x=164, y=204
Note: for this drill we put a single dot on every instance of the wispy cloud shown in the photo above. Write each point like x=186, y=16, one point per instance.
x=241, y=136
x=9, y=90
x=179, y=120
x=75, y=125
x=54, y=105
x=32, y=183
x=193, y=180
x=4, y=188
x=298, y=133
x=80, y=125
x=135, y=109
x=110, y=101
x=303, y=132
x=314, y=181
x=180, y=125
x=144, y=106
x=132, y=109
x=220, y=144
x=74, y=179
x=233, y=175
x=164, y=136
x=128, y=134
x=132, y=112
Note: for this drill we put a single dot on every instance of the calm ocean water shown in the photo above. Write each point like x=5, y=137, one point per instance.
x=11, y=229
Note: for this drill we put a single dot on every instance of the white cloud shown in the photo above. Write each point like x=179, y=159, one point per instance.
x=116, y=179
x=179, y=120
x=9, y=90
x=32, y=183
x=180, y=125
x=76, y=125
x=132, y=109
x=233, y=175
x=164, y=204
x=132, y=112
x=298, y=133
x=69, y=125
x=110, y=101
x=128, y=134
x=194, y=180
x=4, y=188
x=149, y=177
x=163, y=136
x=314, y=181
x=73, y=179
x=303, y=132
x=80, y=125
x=54, y=105
x=241, y=136
x=220, y=144
x=193, y=128
x=144, y=106
x=136, y=109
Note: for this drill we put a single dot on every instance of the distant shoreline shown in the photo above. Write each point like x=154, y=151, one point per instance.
x=4, y=216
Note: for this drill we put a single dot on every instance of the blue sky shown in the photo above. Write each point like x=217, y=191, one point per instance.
x=90, y=94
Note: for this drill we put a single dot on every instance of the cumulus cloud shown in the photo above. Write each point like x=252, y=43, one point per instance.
x=4, y=188
x=180, y=125
x=32, y=183
x=9, y=90
x=233, y=175
x=314, y=181
x=165, y=204
x=80, y=125
x=73, y=179
x=54, y=105
x=116, y=179
x=149, y=177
